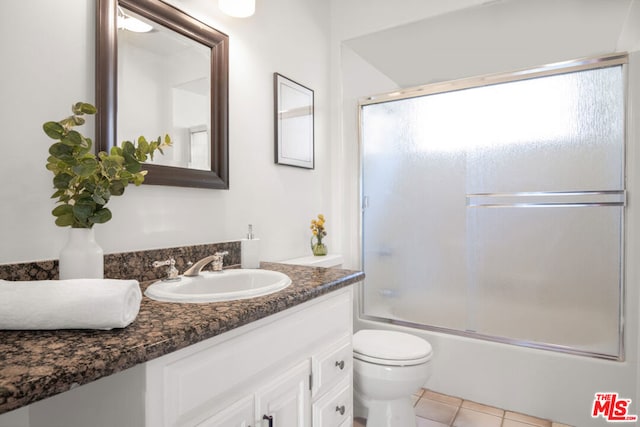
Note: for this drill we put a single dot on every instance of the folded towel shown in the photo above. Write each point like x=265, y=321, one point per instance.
x=69, y=304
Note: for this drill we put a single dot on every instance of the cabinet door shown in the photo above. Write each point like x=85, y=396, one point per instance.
x=287, y=400
x=240, y=414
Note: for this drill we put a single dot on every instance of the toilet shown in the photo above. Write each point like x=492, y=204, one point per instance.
x=388, y=367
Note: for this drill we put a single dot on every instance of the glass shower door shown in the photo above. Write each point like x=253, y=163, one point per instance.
x=497, y=211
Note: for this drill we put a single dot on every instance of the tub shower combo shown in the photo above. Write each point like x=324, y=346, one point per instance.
x=494, y=207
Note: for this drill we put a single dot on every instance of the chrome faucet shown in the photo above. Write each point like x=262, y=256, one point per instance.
x=172, y=271
x=215, y=259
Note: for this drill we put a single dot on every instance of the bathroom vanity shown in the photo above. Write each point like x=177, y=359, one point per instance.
x=287, y=355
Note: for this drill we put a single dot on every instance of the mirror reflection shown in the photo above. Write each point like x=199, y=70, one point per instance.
x=167, y=75
x=159, y=70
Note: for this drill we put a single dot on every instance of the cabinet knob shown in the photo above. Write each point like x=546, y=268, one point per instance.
x=340, y=409
x=268, y=418
x=340, y=364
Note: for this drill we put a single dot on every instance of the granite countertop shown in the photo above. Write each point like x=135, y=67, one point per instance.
x=38, y=364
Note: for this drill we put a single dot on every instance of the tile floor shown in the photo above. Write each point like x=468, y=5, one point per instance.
x=439, y=410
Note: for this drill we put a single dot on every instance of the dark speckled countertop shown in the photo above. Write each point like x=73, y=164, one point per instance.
x=38, y=364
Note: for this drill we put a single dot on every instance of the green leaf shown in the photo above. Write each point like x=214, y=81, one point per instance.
x=117, y=188
x=85, y=168
x=99, y=199
x=128, y=148
x=62, y=210
x=101, y=216
x=53, y=130
x=65, y=220
x=83, y=108
x=131, y=164
x=57, y=194
x=88, y=108
x=100, y=194
x=139, y=177
x=61, y=181
x=67, y=122
x=142, y=142
x=61, y=151
x=73, y=138
x=83, y=211
x=77, y=108
x=143, y=149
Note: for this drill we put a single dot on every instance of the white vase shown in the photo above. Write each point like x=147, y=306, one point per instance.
x=81, y=257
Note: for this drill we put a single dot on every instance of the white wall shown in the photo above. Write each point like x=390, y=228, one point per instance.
x=546, y=384
x=48, y=51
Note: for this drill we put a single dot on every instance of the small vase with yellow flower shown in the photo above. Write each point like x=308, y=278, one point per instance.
x=319, y=232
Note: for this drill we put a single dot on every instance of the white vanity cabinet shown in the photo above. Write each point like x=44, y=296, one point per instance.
x=286, y=399
x=294, y=366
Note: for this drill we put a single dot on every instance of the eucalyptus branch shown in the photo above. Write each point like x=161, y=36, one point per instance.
x=84, y=182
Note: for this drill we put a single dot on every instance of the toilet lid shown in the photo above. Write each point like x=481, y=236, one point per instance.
x=390, y=348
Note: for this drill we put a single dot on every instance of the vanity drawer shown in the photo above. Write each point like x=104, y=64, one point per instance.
x=332, y=365
x=335, y=407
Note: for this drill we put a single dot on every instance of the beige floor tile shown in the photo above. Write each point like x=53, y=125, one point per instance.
x=512, y=423
x=441, y=410
x=539, y=422
x=468, y=418
x=483, y=408
x=444, y=398
x=423, y=422
x=359, y=422
x=436, y=411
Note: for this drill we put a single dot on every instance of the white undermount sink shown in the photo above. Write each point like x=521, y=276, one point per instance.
x=228, y=285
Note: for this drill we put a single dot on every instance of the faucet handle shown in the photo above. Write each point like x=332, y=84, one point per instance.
x=172, y=271
x=218, y=261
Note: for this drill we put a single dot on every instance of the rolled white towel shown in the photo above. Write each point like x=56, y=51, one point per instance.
x=69, y=304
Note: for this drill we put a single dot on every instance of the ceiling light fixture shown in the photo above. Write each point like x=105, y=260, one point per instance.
x=126, y=22
x=238, y=8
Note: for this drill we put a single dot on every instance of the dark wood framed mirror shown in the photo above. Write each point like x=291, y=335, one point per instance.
x=209, y=134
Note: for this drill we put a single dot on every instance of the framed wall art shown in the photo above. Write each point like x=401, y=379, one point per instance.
x=294, y=136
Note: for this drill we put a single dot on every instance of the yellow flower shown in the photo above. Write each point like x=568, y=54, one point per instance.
x=317, y=227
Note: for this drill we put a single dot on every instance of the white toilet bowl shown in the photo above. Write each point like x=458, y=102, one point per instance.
x=388, y=367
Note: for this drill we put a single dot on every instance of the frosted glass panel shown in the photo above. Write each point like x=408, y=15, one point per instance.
x=498, y=210
x=554, y=133
x=547, y=275
x=414, y=225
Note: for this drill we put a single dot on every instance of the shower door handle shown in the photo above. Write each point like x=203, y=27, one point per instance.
x=547, y=199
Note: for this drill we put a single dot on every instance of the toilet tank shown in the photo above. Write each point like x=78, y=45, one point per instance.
x=329, y=261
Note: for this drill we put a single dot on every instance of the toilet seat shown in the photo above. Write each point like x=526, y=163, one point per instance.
x=390, y=348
